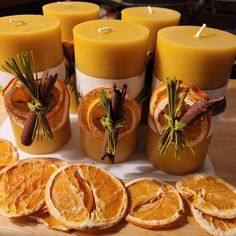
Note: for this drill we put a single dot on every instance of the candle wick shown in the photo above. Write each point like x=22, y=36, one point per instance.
x=19, y=21
x=64, y=3
x=106, y=28
x=149, y=9
x=198, y=34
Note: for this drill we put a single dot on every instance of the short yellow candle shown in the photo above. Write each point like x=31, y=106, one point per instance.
x=71, y=14
x=36, y=33
x=110, y=50
x=154, y=18
x=205, y=61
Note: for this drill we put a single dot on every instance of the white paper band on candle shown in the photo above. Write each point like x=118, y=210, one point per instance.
x=86, y=83
x=214, y=93
x=5, y=77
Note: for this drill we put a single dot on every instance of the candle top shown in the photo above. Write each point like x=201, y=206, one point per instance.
x=25, y=24
x=73, y=8
x=210, y=38
x=111, y=31
x=151, y=13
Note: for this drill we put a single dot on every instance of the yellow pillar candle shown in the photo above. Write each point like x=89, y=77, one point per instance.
x=204, y=59
x=36, y=33
x=71, y=14
x=154, y=18
x=108, y=51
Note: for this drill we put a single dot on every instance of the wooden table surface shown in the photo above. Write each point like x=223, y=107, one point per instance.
x=222, y=153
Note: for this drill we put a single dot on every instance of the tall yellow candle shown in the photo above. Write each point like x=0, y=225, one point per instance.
x=203, y=58
x=71, y=14
x=154, y=18
x=36, y=33
x=108, y=51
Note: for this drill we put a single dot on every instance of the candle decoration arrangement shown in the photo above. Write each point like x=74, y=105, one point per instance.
x=38, y=107
x=109, y=119
x=69, y=61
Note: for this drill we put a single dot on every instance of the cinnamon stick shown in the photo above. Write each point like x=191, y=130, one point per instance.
x=45, y=89
x=199, y=109
x=117, y=105
x=27, y=133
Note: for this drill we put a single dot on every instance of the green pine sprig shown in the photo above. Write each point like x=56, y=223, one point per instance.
x=109, y=124
x=174, y=130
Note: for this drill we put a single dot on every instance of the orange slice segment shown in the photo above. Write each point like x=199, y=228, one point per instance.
x=159, y=106
x=22, y=186
x=209, y=194
x=152, y=204
x=8, y=153
x=91, y=111
x=83, y=196
x=213, y=225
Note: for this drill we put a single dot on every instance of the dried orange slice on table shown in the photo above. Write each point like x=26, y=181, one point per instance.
x=153, y=204
x=209, y=194
x=212, y=202
x=8, y=153
x=83, y=196
x=22, y=185
x=214, y=225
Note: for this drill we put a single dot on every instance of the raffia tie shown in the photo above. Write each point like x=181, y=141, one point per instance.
x=37, y=107
x=174, y=124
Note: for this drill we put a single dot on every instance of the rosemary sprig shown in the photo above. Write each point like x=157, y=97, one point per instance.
x=174, y=131
x=111, y=125
x=22, y=69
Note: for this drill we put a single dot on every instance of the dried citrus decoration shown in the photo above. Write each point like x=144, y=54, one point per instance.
x=83, y=196
x=209, y=194
x=22, y=185
x=91, y=111
x=8, y=153
x=153, y=204
x=159, y=111
x=214, y=225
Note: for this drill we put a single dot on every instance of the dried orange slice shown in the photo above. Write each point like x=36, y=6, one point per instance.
x=8, y=153
x=153, y=204
x=209, y=194
x=83, y=196
x=22, y=185
x=213, y=225
x=91, y=111
x=159, y=107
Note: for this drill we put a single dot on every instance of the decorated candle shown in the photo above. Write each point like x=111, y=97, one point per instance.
x=201, y=56
x=110, y=51
x=71, y=14
x=154, y=18
x=36, y=33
